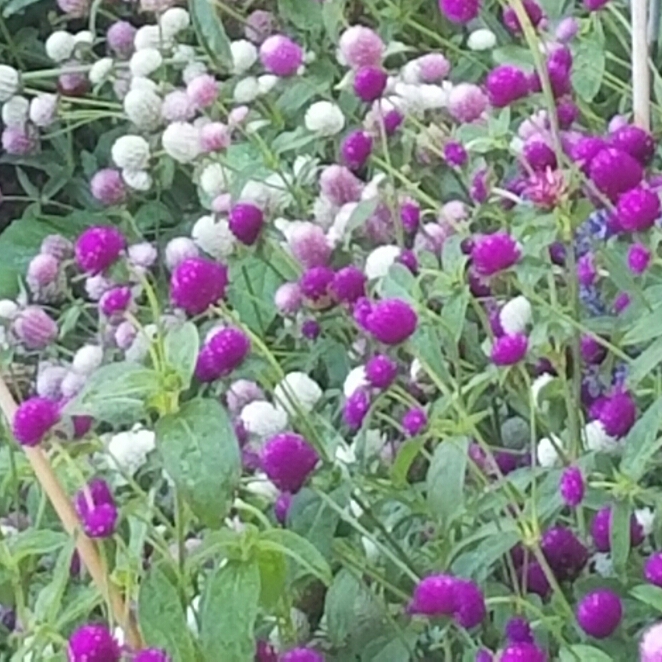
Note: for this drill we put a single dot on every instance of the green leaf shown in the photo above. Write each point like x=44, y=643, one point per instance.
x=362, y=212
x=647, y=327
x=273, y=577
x=15, y=6
x=49, y=601
x=407, y=453
x=589, y=63
x=34, y=542
x=648, y=594
x=620, y=536
x=116, y=393
x=162, y=618
x=339, y=606
x=181, y=351
x=645, y=363
x=426, y=346
x=211, y=33
x=400, y=283
x=580, y=652
x=445, y=479
x=642, y=442
x=302, y=552
x=228, y=612
x=304, y=15
x=201, y=454
x=453, y=314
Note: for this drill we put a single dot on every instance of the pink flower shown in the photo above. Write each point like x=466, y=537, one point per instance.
x=33, y=420
x=460, y=11
x=98, y=248
x=281, y=56
x=467, y=102
x=96, y=508
x=493, y=253
x=288, y=460
x=93, y=643
x=197, y=283
x=509, y=349
x=108, y=187
x=361, y=47
x=391, y=321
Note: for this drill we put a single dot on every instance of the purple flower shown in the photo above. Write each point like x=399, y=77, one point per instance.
x=96, y=508
x=493, y=253
x=585, y=150
x=115, y=301
x=601, y=530
x=650, y=647
x=509, y=349
x=614, y=171
x=455, y=154
x=592, y=351
x=288, y=298
x=245, y=222
x=470, y=603
x=567, y=29
x=599, y=613
x=638, y=209
x=414, y=421
x=618, y=413
x=361, y=47
x=120, y=38
x=98, y=248
x=315, y=282
x=355, y=409
x=391, y=321
x=638, y=259
x=460, y=11
x=340, y=185
x=280, y=55
x=356, y=149
x=653, y=569
x=567, y=113
x=593, y=5
x=225, y=351
x=282, y=507
x=93, y=643
x=410, y=214
x=408, y=259
x=634, y=140
x=302, y=655
x=586, y=271
x=152, y=655
x=566, y=554
x=311, y=329
x=533, y=11
x=518, y=631
x=434, y=596
x=571, y=486
x=370, y=83
x=288, y=459
x=621, y=302
x=467, y=102
x=539, y=155
x=522, y=652
x=348, y=284
x=506, y=84
x=34, y=328
x=108, y=187
x=33, y=420
x=197, y=283
x=381, y=371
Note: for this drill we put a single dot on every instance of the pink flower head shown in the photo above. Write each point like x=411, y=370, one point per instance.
x=414, y=421
x=288, y=460
x=281, y=56
x=506, y=84
x=43, y=270
x=370, y=83
x=433, y=67
x=259, y=25
x=614, y=171
x=288, y=298
x=98, y=248
x=33, y=420
x=594, y=5
x=533, y=11
x=302, y=655
x=214, y=137
x=115, y=301
x=638, y=259
x=225, y=351
x=93, y=643
x=391, y=321
x=523, y=651
x=618, y=413
x=539, y=155
x=599, y=613
x=467, y=102
x=434, y=596
x=637, y=142
x=309, y=245
x=584, y=150
x=19, y=141
x=565, y=553
x=509, y=349
x=197, y=283
x=315, y=282
x=653, y=569
x=356, y=149
x=348, y=284
x=120, y=38
x=460, y=11
x=601, y=530
x=152, y=655
x=381, y=371
x=546, y=189
x=361, y=47
x=246, y=221
x=97, y=510
x=178, y=106
x=108, y=187
x=638, y=209
x=567, y=29
x=493, y=253
x=356, y=408
x=340, y=185
x=34, y=328
x=203, y=90
x=650, y=647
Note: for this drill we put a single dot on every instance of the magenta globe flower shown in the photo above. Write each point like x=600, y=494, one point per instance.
x=470, y=603
x=116, y=301
x=414, y=421
x=509, y=349
x=434, y=596
x=381, y=371
x=601, y=530
x=316, y=281
x=355, y=149
x=653, y=569
x=281, y=56
x=33, y=420
x=246, y=221
x=356, y=408
x=638, y=209
x=523, y=652
x=282, y=507
x=506, y=84
x=225, y=351
x=288, y=460
x=614, y=171
x=96, y=509
x=638, y=259
x=460, y=11
x=93, y=643
x=152, y=655
x=533, y=11
x=518, y=631
x=391, y=321
x=618, y=413
x=599, y=613
x=370, y=83
x=302, y=655
x=98, y=248
x=566, y=554
x=348, y=284
x=197, y=283
x=493, y=253
x=572, y=486
x=634, y=140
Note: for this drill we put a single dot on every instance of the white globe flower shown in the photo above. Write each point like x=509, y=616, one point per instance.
x=214, y=180
x=380, y=261
x=72, y=384
x=338, y=230
x=409, y=74
x=129, y=450
x=87, y=359
x=539, y=384
x=645, y=518
x=246, y=90
x=432, y=97
x=297, y=391
x=603, y=564
x=15, y=111
x=256, y=192
x=481, y=40
x=183, y=53
x=355, y=380
x=101, y=70
x=142, y=84
x=244, y=55
x=143, y=108
x=262, y=419
x=260, y=485
x=148, y=36
x=547, y=452
x=9, y=82
x=516, y=315
x=193, y=70
x=267, y=83
x=181, y=141
x=43, y=109
x=324, y=118
x=173, y=21
x=345, y=454
x=130, y=152
x=145, y=62
x=597, y=439
x=138, y=180
x=84, y=38
x=8, y=309
x=213, y=236
x=416, y=371
x=60, y=45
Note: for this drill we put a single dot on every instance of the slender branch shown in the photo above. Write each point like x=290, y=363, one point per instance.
x=640, y=70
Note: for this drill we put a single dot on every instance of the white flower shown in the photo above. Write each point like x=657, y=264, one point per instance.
x=546, y=452
x=416, y=371
x=213, y=236
x=214, y=180
x=130, y=152
x=380, y=261
x=84, y=37
x=145, y=62
x=539, y=384
x=646, y=518
x=432, y=97
x=100, y=70
x=244, y=55
x=246, y=90
x=142, y=84
x=181, y=141
x=355, y=380
x=183, y=53
x=324, y=118
x=297, y=391
x=597, y=439
x=87, y=359
x=515, y=316
x=193, y=70
x=15, y=111
x=138, y=180
x=262, y=419
x=338, y=230
x=149, y=36
x=267, y=83
x=305, y=168
x=72, y=384
x=173, y=21
x=191, y=614
x=129, y=450
x=43, y=108
x=345, y=454
x=256, y=192
x=371, y=550
x=603, y=564
x=324, y=212
x=143, y=108
x=9, y=81
x=481, y=40
x=260, y=485
x=60, y=45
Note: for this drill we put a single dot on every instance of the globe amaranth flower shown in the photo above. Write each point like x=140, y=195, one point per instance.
x=599, y=613
x=565, y=553
x=391, y=321
x=617, y=413
x=571, y=486
x=97, y=248
x=506, y=84
x=197, y=283
x=34, y=328
x=108, y=187
x=315, y=282
x=460, y=11
x=340, y=185
x=302, y=655
x=455, y=154
x=509, y=349
x=115, y=301
x=360, y=46
x=592, y=351
x=467, y=102
x=653, y=569
x=288, y=460
x=33, y=419
x=650, y=647
x=634, y=140
x=151, y=655
x=614, y=171
x=533, y=11
x=493, y=253
x=348, y=285
x=601, y=530
x=224, y=352
x=539, y=155
x=282, y=507
x=638, y=209
x=309, y=245
x=93, y=643
x=410, y=214
x=96, y=509
x=522, y=652
x=518, y=631
x=638, y=259
x=288, y=298
x=355, y=149
x=381, y=371
x=245, y=222
x=414, y=421
x=356, y=408
x=297, y=392
x=281, y=56
x=370, y=83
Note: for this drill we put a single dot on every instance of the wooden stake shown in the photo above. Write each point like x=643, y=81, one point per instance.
x=640, y=70
x=87, y=549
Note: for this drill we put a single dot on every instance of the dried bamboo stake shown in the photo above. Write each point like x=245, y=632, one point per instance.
x=87, y=549
x=640, y=70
